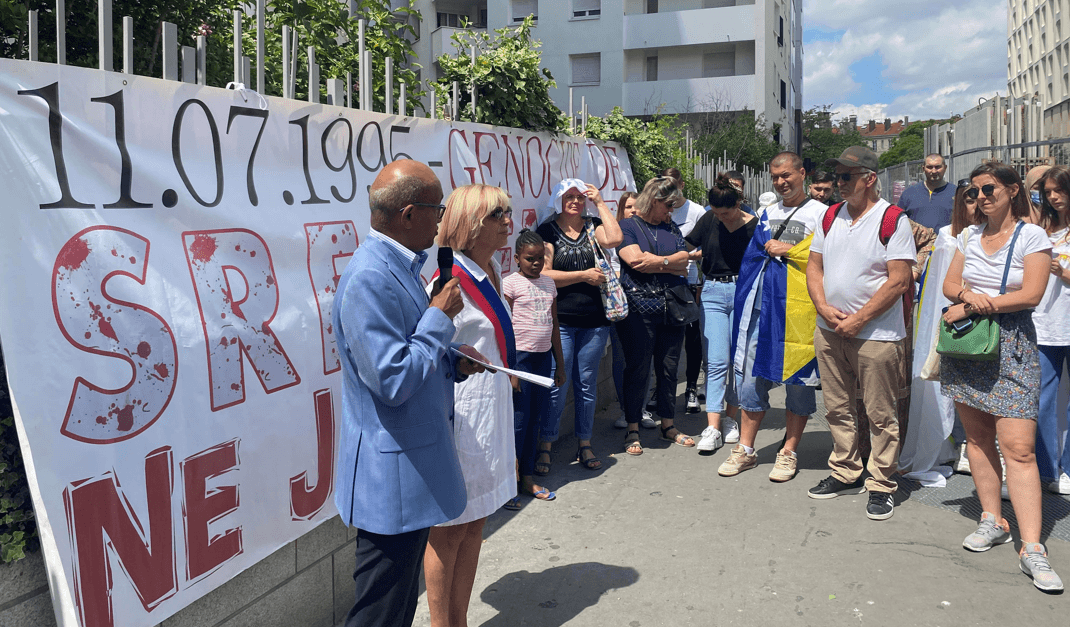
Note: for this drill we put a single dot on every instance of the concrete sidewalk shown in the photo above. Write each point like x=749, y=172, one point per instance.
x=661, y=539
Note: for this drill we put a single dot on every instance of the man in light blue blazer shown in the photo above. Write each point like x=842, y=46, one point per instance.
x=397, y=471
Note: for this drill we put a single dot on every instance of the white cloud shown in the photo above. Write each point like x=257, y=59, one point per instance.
x=945, y=55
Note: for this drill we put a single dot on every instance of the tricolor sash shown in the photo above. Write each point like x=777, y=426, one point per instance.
x=490, y=303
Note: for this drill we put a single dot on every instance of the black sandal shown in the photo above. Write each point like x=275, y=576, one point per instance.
x=543, y=468
x=592, y=462
x=631, y=439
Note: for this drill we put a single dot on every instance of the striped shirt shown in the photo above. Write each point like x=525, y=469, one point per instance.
x=533, y=321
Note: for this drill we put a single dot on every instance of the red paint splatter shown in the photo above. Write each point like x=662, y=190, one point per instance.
x=234, y=340
x=330, y=329
x=265, y=329
x=88, y=335
x=106, y=329
x=222, y=315
x=327, y=290
x=203, y=248
x=223, y=341
x=144, y=350
x=101, y=420
x=133, y=260
x=252, y=253
x=271, y=280
x=237, y=247
x=334, y=239
x=161, y=370
x=73, y=254
x=126, y=417
x=114, y=253
x=235, y=386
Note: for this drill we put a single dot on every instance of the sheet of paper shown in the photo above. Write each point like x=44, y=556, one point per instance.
x=523, y=376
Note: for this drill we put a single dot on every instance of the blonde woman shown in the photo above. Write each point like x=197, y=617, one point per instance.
x=475, y=225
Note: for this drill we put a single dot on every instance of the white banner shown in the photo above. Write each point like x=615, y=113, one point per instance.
x=169, y=258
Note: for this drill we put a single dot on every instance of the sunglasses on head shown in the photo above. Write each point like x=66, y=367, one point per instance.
x=987, y=190
x=963, y=183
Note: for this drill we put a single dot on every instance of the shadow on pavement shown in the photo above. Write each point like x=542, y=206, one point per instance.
x=554, y=596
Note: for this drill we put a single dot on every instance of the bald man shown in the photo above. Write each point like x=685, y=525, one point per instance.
x=397, y=472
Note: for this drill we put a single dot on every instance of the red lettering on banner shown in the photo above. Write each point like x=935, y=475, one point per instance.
x=201, y=506
x=235, y=326
x=490, y=155
x=96, y=323
x=103, y=526
x=614, y=166
x=306, y=501
x=517, y=165
x=605, y=179
x=455, y=153
x=544, y=175
x=546, y=157
x=330, y=245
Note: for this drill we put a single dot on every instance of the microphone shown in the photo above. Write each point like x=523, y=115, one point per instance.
x=445, y=265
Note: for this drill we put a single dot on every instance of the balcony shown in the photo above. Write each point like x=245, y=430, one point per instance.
x=442, y=44
x=728, y=93
x=685, y=28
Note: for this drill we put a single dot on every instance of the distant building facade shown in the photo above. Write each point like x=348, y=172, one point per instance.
x=1038, y=59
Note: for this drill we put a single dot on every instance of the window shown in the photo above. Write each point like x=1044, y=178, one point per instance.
x=586, y=69
x=651, y=68
x=783, y=95
x=524, y=8
x=651, y=6
x=780, y=35
x=586, y=8
x=451, y=20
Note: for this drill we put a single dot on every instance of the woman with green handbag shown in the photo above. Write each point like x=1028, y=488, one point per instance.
x=997, y=276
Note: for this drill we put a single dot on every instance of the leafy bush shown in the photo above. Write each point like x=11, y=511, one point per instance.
x=18, y=528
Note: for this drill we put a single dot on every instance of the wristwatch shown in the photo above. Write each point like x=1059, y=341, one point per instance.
x=665, y=261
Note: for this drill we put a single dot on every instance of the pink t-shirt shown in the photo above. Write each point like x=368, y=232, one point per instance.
x=533, y=321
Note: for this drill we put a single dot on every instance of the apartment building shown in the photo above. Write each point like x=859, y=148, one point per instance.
x=1038, y=59
x=649, y=56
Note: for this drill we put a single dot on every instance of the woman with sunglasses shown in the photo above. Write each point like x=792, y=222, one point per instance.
x=1001, y=398
x=654, y=260
x=570, y=262
x=477, y=223
x=1053, y=332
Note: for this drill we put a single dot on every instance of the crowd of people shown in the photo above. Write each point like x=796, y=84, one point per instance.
x=804, y=292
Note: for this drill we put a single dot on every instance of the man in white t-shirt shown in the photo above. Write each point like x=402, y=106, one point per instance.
x=685, y=217
x=790, y=221
x=857, y=283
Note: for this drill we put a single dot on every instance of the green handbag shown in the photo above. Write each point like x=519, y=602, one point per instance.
x=980, y=340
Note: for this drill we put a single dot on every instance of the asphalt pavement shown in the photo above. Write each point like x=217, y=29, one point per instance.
x=661, y=539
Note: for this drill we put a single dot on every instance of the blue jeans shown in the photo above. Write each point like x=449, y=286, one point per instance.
x=1050, y=458
x=529, y=405
x=582, y=350
x=753, y=392
x=717, y=303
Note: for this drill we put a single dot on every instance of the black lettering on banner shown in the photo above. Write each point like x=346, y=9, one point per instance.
x=313, y=199
x=348, y=160
x=126, y=174
x=235, y=111
x=360, y=148
x=394, y=128
x=176, y=152
x=50, y=94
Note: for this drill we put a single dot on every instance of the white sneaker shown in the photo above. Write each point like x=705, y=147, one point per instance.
x=648, y=421
x=621, y=423
x=962, y=464
x=1062, y=486
x=710, y=440
x=731, y=430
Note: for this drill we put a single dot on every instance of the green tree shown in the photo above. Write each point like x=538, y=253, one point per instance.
x=512, y=89
x=822, y=140
x=742, y=138
x=652, y=146
x=909, y=146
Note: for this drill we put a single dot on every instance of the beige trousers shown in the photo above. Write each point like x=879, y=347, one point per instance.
x=873, y=368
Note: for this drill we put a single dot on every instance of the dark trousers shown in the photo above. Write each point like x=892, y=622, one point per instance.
x=693, y=345
x=643, y=338
x=387, y=578
x=528, y=405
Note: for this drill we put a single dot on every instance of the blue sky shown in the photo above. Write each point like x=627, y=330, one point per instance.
x=918, y=58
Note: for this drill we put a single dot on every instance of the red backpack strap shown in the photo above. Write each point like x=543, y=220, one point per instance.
x=830, y=217
x=888, y=223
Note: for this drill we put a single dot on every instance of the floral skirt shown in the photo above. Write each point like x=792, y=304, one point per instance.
x=1008, y=386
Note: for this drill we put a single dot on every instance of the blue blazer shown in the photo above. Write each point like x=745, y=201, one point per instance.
x=397, y=467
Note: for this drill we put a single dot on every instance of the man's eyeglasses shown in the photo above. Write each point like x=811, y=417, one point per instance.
x=501, y=213
x=987, y=190
x=441, y=208
x=845, y=177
